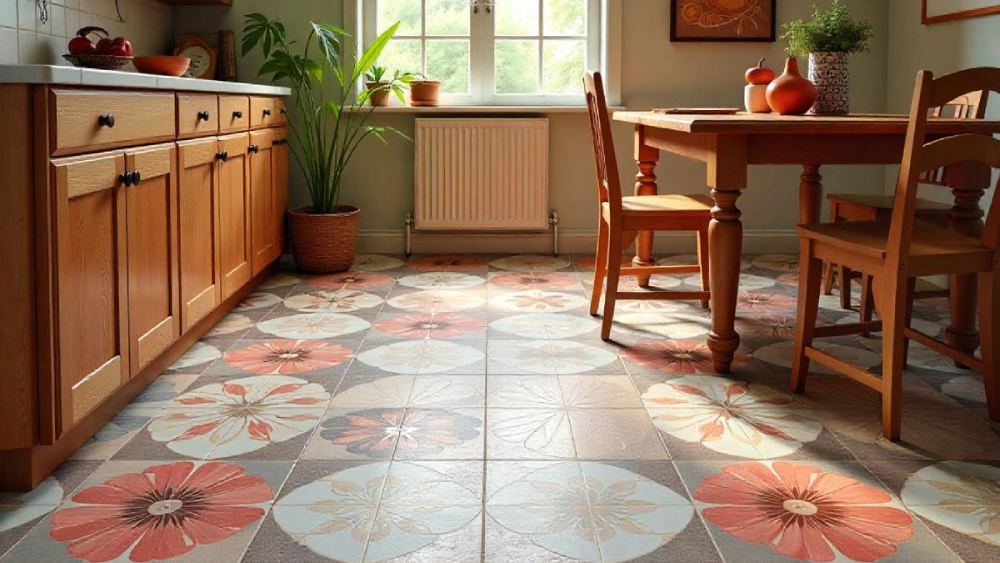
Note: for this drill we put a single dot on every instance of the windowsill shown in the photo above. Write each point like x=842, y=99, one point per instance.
x=484, y=109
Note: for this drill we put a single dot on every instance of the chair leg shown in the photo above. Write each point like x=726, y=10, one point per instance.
x=600, y=266
x=844, y=280
x=989, y=337
x=614, y=273
x=911, y=290
x=867, y=302
x=828, y=271
x=808, y=310
x=893, y=309
x=703, y=262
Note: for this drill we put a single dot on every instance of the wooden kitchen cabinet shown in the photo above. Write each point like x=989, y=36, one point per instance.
x=234, y=213
x=126, y=240
x=198, y=203
x=90, y=252
x=263, y=230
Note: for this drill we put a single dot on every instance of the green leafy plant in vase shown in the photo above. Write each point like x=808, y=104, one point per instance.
x=379, y=87
x=827, y=38
x=328, y=124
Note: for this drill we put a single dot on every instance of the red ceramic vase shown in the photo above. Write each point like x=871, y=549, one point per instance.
x=791, y=93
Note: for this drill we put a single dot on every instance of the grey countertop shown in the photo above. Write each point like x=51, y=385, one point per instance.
x=72, y=76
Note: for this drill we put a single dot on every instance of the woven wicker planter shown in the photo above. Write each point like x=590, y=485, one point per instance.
x=324, y=244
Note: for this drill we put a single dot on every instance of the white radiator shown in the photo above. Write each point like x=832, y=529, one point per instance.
x=482, y=174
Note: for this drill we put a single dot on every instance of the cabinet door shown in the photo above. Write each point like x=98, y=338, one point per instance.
x=262, y=228
x=153, y=296
x=198, y=229
x=279, y=174
x=89, y=248
x=234, y=214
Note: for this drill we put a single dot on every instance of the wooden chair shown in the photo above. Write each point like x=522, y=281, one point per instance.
x=621, y=218
x=853, y=207
x=897, y=251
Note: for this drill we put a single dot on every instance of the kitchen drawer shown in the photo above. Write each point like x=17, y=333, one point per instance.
x=234, y=114
x=266, y=112
x=89, y=120
x=197, y=115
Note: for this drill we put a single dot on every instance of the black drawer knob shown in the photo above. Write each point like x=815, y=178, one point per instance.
x=106, y=120
x=223, y=156
x=136, y=177
x=126, y=179
x=237, y=114
x=253, y=149
x=267, y=113
x=203, y=115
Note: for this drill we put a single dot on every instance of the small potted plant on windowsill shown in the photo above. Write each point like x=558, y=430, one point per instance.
x=828, y=37
x=379, y=87
x=328, y=124
x=424, y=92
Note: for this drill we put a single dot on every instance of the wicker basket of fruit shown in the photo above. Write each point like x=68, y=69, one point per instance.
x=105, y=54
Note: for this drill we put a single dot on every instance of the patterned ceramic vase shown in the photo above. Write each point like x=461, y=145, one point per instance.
x=831, y=74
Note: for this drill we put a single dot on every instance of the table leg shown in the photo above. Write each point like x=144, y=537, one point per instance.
x=810, y=194
x=645, y=184
x=727, y=176
x=966, y=218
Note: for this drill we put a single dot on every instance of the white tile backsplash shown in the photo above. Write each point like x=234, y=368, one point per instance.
x=24, y=39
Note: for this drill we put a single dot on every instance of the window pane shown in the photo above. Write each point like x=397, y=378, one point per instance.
x=406, y=12
x=448, y=61
x=447, y=17
x=516, y=66
x=402, y=55
x=563, y=66
x=565, y=17
x=516, y=17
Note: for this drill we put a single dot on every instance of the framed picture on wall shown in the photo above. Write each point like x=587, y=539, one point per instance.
x=937, y=11
x=723, y=20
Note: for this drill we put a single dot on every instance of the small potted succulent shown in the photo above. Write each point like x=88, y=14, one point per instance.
x=379, y=87
x=828, y=37
x=424, y=91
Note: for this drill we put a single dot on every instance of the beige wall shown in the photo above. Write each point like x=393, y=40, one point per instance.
x=942, y=48
x=26, y=40
x=655, y=73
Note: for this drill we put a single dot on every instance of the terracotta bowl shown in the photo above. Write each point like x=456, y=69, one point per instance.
x=162, y=64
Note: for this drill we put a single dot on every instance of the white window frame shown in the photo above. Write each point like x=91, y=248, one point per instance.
x=603, y=53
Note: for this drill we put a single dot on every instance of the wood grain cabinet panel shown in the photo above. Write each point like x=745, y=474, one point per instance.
x=234, y=114
x=266, y=112
x=153, y=299
x=263, y=231
x=90, y=253
x=197, y=115
x=234, y=213
x=198, y=229
x=92, y=120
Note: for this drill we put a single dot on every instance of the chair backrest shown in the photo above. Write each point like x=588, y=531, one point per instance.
x=920, y=157
x=608, y=181
x=966, y=106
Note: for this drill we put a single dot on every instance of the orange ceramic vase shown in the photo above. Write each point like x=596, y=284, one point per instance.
x=791, y=93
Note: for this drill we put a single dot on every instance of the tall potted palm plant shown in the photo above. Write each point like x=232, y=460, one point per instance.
x=328, y=125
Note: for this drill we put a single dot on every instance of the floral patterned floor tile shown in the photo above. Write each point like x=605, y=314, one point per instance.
x=615, y=434
x=20, y=512
x=529, y=434
x=374, y=282
x=958, y=500
x=310, y=326
x=421, y=357
x=542, y=281
x=805, y=510
x=529, y=263
x=464, y=263
x=409, y=300
x=396, y=326
x=551, y=357
x=286, y=356
x=145, y=510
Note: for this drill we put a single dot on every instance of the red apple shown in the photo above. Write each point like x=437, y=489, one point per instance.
x=80, y=45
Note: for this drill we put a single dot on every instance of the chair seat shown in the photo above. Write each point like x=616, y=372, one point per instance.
x=666, y=204
x=933, y=249
x=885, y=203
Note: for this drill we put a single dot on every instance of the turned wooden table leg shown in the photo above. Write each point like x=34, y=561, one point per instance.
x=810, y=194
x=966, y=218
x=727, y=176
x=645, y=184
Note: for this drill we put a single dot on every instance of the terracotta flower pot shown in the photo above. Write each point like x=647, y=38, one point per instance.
x=380, y=97
x=791, y=93
x=324, y=243
x=424, y=92
x=831, y=73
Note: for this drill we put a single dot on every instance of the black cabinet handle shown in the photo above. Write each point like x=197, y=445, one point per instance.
x=254, y=149
x=203, y=115
x=267, y=113
x=136, y=177
x=237, y=114
x=126, y=179
x=106, y=120
x=223, y=156
x=278, y=142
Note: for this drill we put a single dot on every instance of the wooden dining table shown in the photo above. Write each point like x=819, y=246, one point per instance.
x=729, y=144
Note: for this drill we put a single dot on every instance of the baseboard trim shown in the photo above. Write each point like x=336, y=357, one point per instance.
x=571, y=241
